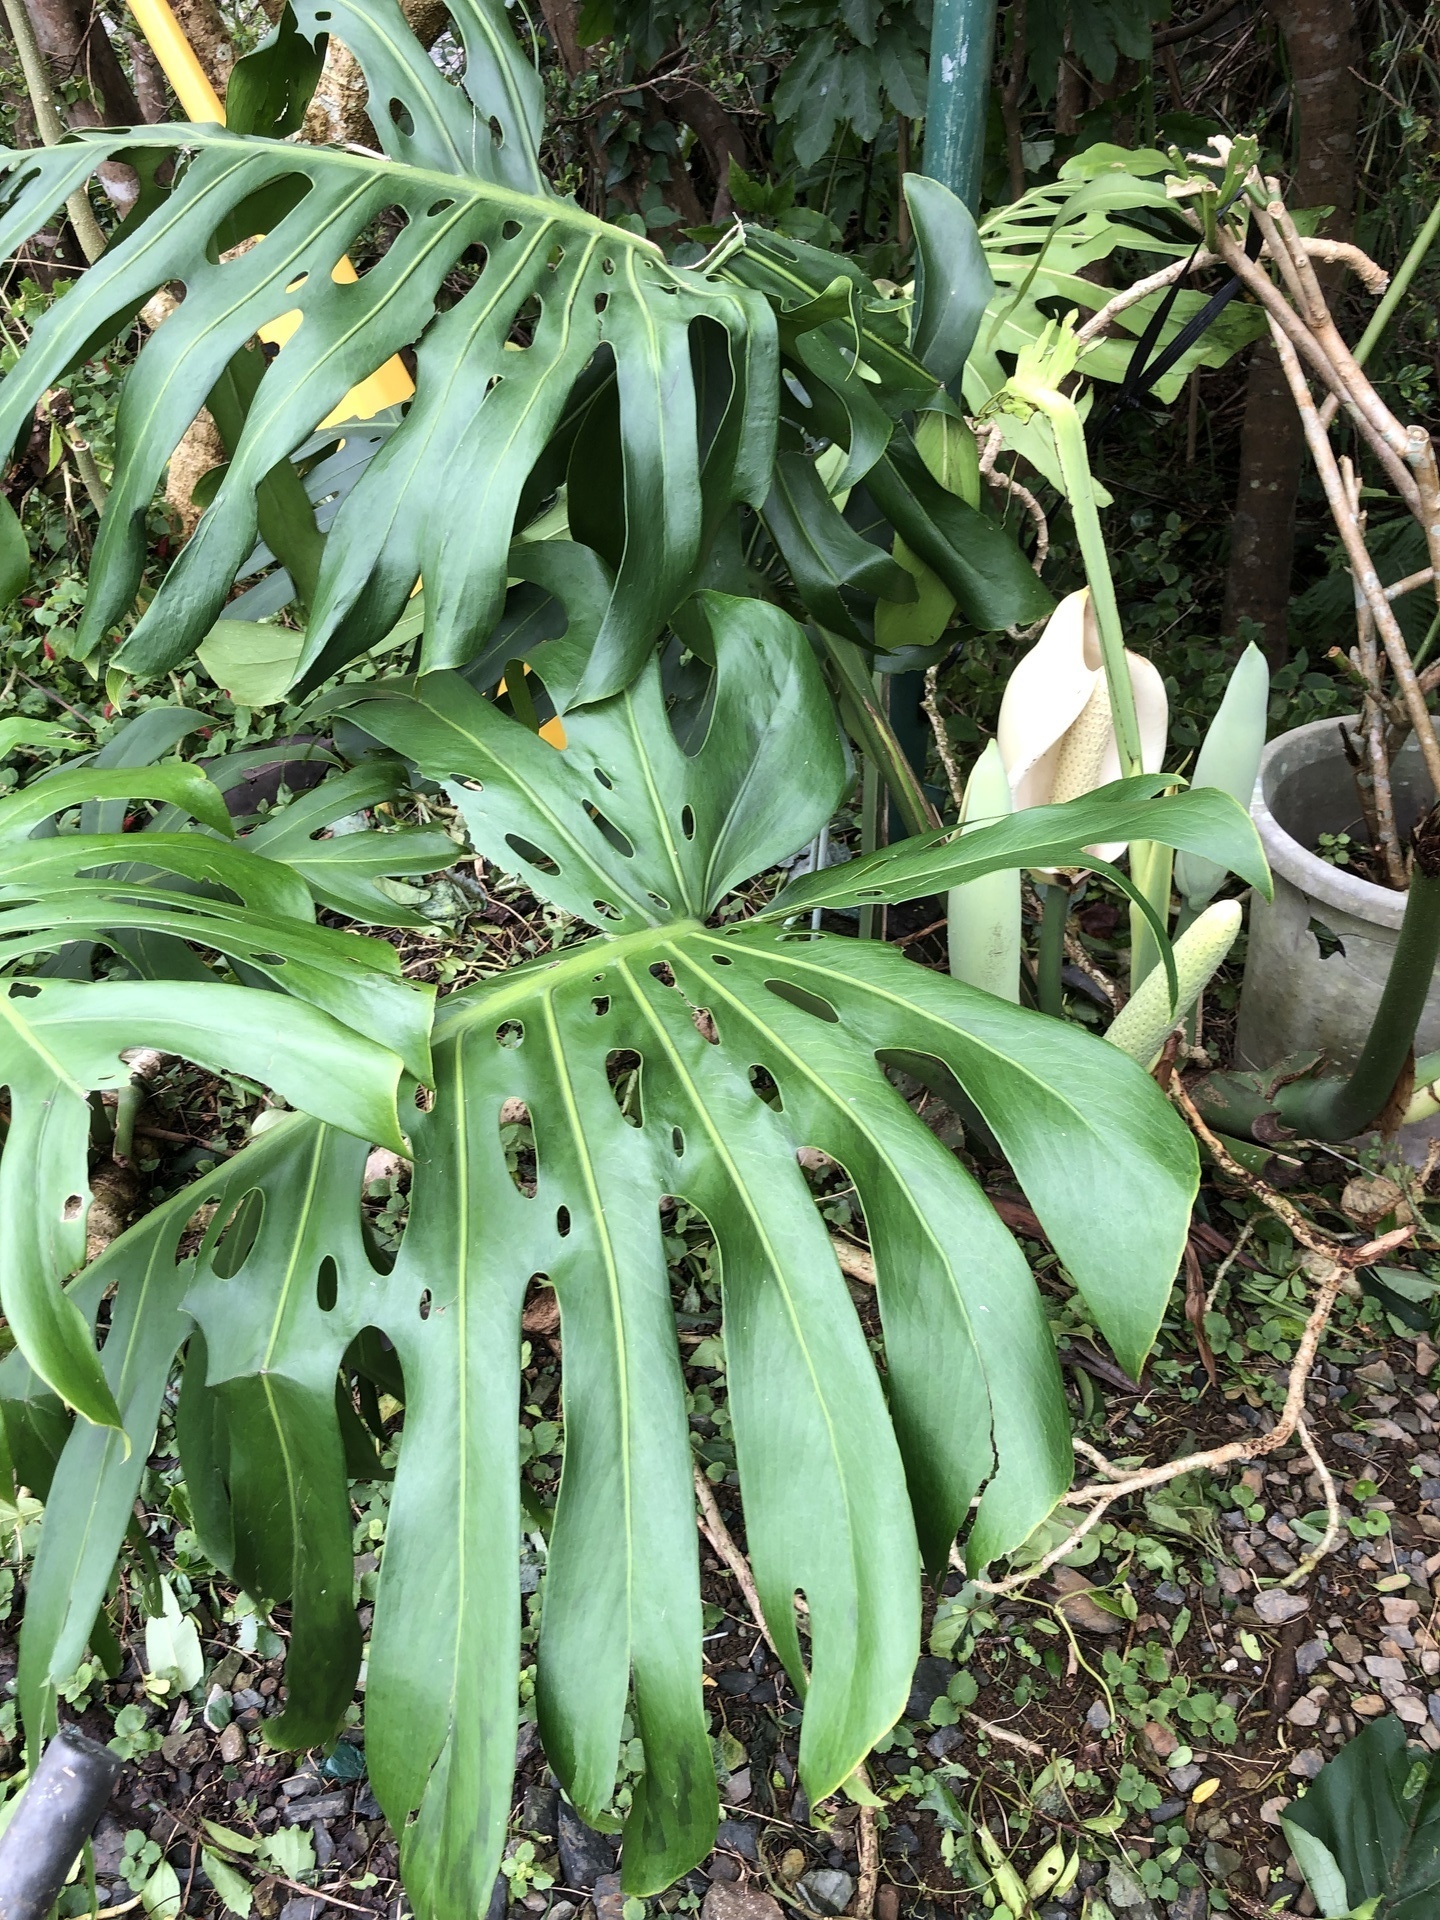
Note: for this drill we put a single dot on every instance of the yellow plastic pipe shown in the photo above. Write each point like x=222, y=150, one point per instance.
x=388, y=386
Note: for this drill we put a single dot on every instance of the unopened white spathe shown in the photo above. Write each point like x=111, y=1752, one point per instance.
x=1056, y=733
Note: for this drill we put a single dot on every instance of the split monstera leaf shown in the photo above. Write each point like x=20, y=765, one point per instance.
x=574, y=336
x=846, y=1488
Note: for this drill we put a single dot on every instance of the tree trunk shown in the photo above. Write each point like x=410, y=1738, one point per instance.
x=1321, y=42
x=151, y=89
x=204, y=27
x=73, y=39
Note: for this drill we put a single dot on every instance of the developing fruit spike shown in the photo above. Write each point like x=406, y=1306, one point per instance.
x=1143, y=1023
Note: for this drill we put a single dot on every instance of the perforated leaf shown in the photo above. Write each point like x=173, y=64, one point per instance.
x=560, y=299
x=844, y=1486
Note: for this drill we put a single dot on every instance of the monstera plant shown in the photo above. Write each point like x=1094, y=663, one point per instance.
x=282, y=1303
x=689, y=1046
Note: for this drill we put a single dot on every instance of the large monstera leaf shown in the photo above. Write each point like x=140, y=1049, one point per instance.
x=568, y=322
x=845, y=1486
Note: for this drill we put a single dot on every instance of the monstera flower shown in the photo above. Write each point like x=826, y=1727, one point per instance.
x=1056, y=733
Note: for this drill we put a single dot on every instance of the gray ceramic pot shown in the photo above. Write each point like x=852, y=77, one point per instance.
x=1318, y=956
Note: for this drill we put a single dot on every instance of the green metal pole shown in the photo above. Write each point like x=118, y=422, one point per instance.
x=962, y=47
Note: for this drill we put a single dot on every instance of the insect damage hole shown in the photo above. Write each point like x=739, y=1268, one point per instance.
x=562, y=1222
x=425, y=1304
x=509, y=1033
x=662, y=971
x=704, y=1022
x=74, y=1206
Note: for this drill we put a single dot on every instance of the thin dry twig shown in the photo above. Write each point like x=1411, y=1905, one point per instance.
x=868, y=1846
x=712, y=1525
x=1142, y=289
x=1333, y=1264
x=1330, y=1539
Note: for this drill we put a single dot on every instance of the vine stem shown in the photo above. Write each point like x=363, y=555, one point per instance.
x=51, y=128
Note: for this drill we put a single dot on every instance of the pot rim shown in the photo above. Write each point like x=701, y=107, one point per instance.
x=1331, y=886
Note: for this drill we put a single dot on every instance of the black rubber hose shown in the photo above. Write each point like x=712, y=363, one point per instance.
x=54, y=1818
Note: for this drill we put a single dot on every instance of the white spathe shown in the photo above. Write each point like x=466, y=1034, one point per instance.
x=1056, y=735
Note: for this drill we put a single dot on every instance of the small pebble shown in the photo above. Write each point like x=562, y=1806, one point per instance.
x=825, y=1890
x=1098, y=1717
x=1277, y=1605
x=1186, y=1777
x=1308, y=1657
x=1306, y=1765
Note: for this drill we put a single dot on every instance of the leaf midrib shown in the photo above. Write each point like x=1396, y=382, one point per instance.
x=299, y=158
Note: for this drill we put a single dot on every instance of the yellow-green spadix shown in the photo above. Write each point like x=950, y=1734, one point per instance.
x=1144, y=1022
x=1056, y=732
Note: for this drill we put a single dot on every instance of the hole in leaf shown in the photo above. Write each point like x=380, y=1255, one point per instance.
x=562, y=1222
x=371, y=1374
x=663, y=972
x=425, y=1304
x=602, y=300
x=384, y=1207
x=618, y=840
x=440, y=206
x=622, y=1069
x=237, y=1237
x=807, y=1002
x=705, y=1024
x=327, y=1285
x=541, y=1311
x=532, y=855
x=677, y=1140
x=607, y=266
x=497, y=132
x=556, y=255
x=509, y=1033
x=604, y=779
x=687, y=822
x=763, y=1083
x=511, y=230
x=424, y=1098
x=605, y=909
x=517, y=1143
x=601, y=1003
x=722, y=959
x=402, y=117
x=73, y=1208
